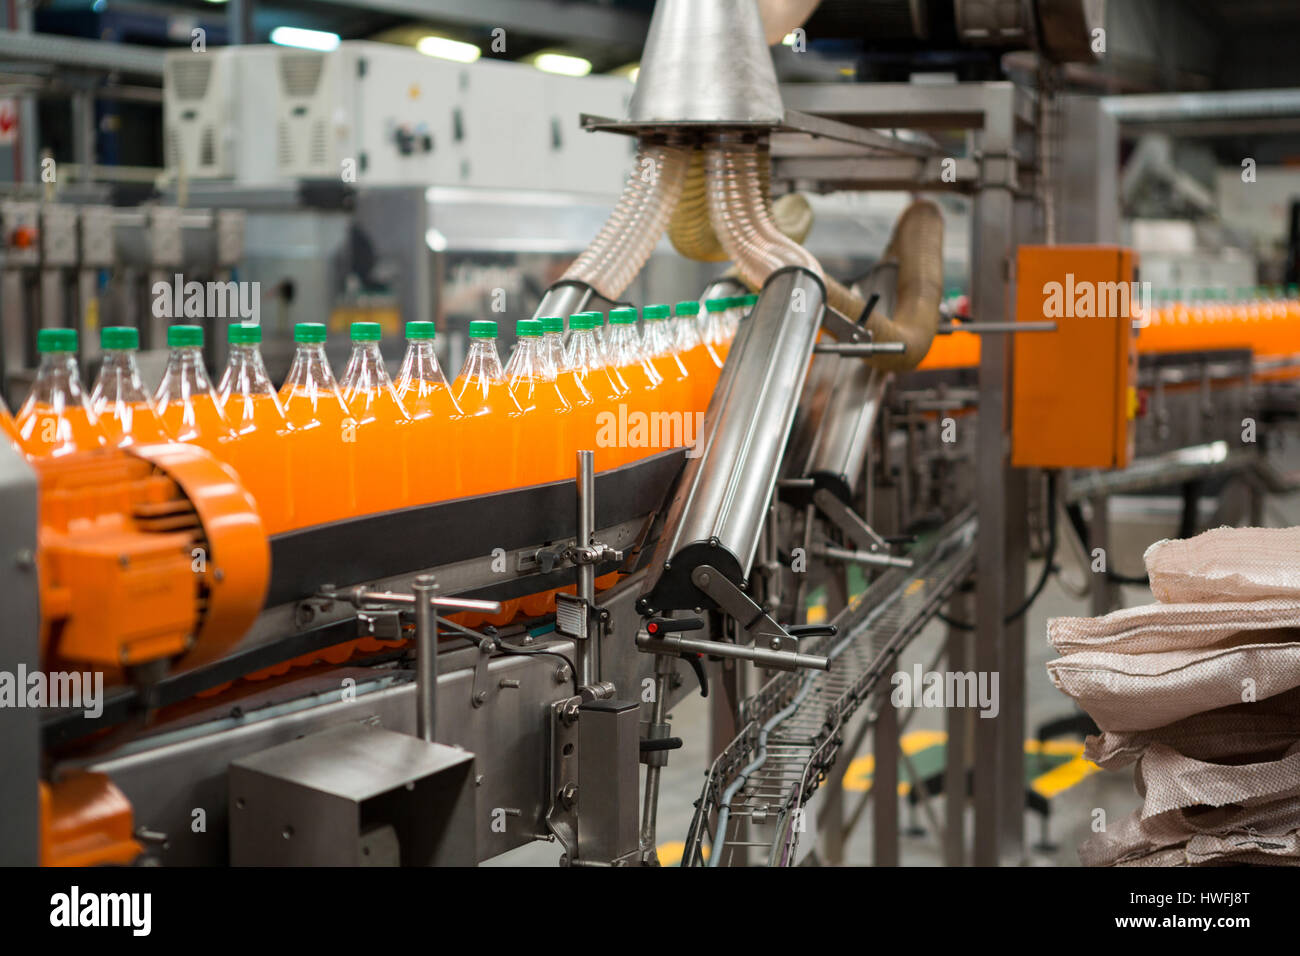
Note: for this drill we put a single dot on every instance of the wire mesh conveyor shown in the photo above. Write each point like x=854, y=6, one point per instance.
x=794, y=725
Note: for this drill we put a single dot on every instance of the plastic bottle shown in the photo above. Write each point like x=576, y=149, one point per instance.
x=56, y=418
x=677, y=390
x=119, y=400
x=186, y=400
x=434, y=448
x=493, y=431
x=551, y=348
x=546, y=442
x=598, y=332
x=251, y=406
x=595, y=420
x=320, y=462
x=643, y=398
x=380, y=437
x=702, y=362
x=491, y=415
x=716, y=332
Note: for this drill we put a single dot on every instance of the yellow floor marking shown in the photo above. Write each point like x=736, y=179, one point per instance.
x=1063, y=777
x=670, y=854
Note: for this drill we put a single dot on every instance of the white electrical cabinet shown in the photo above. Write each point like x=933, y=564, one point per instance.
x=384, y=115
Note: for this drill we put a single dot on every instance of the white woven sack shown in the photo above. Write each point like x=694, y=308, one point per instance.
x=1129, y=692
x=1167, y=627
x=1226, y=564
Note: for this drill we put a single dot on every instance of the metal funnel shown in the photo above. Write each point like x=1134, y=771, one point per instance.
x=706, y=61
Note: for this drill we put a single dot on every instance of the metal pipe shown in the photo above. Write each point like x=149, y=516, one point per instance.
x=722, y=499
x=426, y=656
x=650, y=810
x=859, y=349
x=358, y=596
x=781, y=660
x=861, y=557
x=588, y=651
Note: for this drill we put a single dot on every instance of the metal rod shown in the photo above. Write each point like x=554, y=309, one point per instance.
x=990, y=328
x=861, y=557
x=588, y=651
x=426, y=655
x=854, y=349
x=782, y=660
x=650, y=811
x=359, y=596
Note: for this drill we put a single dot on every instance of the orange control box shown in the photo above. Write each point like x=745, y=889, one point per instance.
x=1074, y=392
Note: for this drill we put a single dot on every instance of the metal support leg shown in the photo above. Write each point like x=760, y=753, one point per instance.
x=426, y=656
x=884, y=784
x=1103, y=591
x=588, y=651
x=957, y=763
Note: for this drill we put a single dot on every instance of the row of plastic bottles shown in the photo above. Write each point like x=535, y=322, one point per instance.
x=318, y=449
x=1267, y=321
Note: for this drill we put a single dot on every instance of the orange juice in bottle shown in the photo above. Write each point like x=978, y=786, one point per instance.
x=119, y=399
x=491, y=415
x=595, y=414
x=702, y=361
x=56, y=419
x=677, y=391
x=251, y=406
x=642, y=379
x=186, y=400
x=320, y=461
x=434, y=446
x=493, y=422
x=544, y=439
x=380, y=423
x=716, y=331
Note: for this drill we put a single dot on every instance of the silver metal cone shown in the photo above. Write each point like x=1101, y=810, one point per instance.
x=706, y=61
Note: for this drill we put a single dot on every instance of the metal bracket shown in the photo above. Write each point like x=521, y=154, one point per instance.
x=382, y=625
x=562, y=802
x=547, y=560
x=844, y=329
x=478, y=693
x=754, y=622
x=873, y=549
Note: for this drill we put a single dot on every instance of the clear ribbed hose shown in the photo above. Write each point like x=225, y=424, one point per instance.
x=629, y=235
x=741, y=214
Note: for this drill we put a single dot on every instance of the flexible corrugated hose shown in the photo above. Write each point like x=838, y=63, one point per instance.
x=623, y=245
x=740, y=214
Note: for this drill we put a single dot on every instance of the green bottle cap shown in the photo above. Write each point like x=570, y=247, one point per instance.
x=56, y=340
x=528, y=328
x=185, y=336
x=365, y=331
x=689, y=307
x=717, y=305
x=622, y=316
x=240, y=333
x=482, y=329
x=750, y=300
x=582, y=322
x=309, y=333
x=552, y=324
x=420, y=331
x=119, y=337
x=653, y=313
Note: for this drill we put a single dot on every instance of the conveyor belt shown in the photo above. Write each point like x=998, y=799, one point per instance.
x=794, y=724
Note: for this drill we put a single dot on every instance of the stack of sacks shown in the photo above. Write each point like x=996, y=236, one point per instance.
x=1203, y=691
